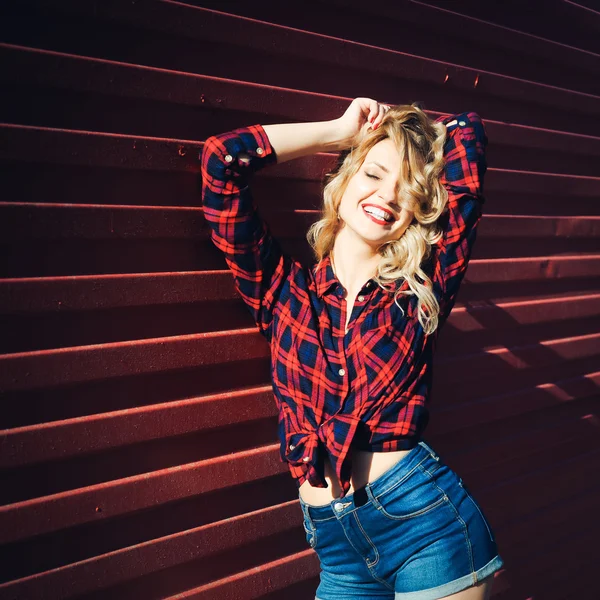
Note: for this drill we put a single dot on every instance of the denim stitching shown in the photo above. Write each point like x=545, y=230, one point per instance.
x=328, y=518
x=307, y=519
x=357, y=550
x=306, y=510
x=464, y=526
x=322, y=520
x=312, y=541
x=347, y=512
x=370, y=565
x=368, y=540
x=479, y=511
x=417, y=513
x=410, y=515
x=397, y=483
x=431, y=451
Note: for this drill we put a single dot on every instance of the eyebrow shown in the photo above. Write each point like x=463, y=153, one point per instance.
x=379, y=165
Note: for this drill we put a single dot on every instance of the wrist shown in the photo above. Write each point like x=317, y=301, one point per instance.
x=336, y=136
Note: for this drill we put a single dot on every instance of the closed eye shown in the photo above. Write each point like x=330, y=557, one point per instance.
x=372, y=176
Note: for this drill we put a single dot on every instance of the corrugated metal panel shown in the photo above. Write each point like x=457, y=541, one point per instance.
x=139, y=454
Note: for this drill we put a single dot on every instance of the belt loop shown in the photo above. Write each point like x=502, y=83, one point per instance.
x=429, y=449
x=370, y=495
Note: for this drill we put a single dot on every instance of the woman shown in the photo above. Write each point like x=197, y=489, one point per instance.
x=352, y=339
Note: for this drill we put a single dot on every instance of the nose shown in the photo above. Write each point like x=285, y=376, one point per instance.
x=388, y=191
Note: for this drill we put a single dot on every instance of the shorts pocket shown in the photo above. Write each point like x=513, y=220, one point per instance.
x=470, y=497
x=412, y=496
x=310, y=531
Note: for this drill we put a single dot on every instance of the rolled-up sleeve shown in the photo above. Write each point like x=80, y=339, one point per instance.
x=254, y=256
x=465, y=154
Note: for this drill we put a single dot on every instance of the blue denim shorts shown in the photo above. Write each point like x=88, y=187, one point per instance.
x=414, y=533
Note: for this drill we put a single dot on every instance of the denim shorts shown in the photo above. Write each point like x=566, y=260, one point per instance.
x=414, y=533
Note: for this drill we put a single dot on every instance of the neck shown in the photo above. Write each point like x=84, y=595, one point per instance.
x=353, y=261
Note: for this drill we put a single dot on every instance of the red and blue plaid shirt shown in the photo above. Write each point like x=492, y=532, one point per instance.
x=366, y=389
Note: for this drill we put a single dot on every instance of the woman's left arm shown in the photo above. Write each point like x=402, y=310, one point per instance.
x=463, y=175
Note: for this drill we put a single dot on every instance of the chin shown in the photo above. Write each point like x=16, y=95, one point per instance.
x=375, y=241
x=370, y=237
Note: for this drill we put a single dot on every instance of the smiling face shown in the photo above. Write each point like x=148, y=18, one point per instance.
x=370, y=206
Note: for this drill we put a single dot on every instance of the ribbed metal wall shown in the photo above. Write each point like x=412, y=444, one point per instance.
x=138, y=431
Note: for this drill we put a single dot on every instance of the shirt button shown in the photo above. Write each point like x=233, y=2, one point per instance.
x=228, y=158
x=462, y=123
x=341, y=372
x=360, y=298
x=338, y=507
x=259, y=151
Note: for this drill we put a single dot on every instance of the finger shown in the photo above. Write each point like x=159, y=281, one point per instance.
x=373, y=108
x=379, y=119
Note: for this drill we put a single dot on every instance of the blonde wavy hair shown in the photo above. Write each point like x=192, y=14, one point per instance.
x=420, y=142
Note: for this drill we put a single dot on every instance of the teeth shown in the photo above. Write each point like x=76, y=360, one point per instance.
x=377, y=213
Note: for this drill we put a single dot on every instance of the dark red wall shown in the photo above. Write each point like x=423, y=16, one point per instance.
x=138, y=453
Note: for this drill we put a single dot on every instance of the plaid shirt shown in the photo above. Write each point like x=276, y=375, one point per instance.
x=366, y=389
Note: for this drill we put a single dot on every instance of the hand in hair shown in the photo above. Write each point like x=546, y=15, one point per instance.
x=363, y=113
x=294, y=140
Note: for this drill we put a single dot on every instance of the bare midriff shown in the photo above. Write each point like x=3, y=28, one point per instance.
x=366, y=467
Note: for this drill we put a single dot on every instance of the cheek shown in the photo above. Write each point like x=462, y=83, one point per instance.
x=363, y=188
x=355, y=193
x=358, y=189
x=405, y=220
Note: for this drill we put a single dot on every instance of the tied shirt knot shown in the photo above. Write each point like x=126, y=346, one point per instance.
x=302, y=451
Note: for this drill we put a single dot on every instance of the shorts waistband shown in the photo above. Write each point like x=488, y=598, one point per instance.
x=361, y=496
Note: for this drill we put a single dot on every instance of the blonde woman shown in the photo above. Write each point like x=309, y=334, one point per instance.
x=352, y=339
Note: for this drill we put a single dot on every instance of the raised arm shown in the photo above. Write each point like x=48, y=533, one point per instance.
x=463, y=176
x=254, y=256
x=294, y=140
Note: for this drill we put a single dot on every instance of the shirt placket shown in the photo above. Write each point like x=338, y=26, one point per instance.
x=358, y=308
x=346, y=371
x=339, y=367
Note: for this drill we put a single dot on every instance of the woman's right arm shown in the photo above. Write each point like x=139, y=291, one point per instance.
x=294, y=140
x=228, y=161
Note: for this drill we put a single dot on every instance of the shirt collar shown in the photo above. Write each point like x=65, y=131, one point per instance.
x=325, y=278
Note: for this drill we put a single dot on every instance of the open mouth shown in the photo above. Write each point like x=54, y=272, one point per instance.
x=378, y=215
